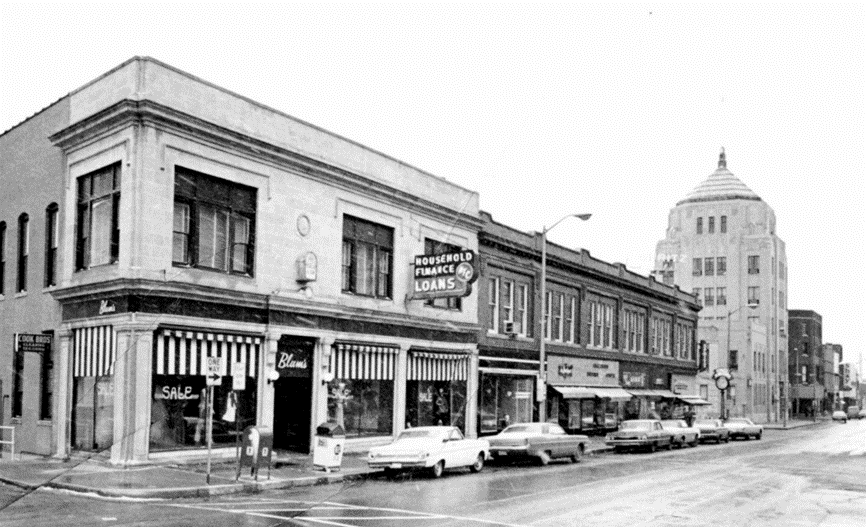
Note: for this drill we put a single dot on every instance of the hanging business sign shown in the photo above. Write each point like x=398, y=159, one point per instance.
x=33, y=342
x=294, y=357
x=444, y=275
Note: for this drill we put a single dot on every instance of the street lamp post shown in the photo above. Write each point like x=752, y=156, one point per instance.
x=542, y=355
x=728, y=343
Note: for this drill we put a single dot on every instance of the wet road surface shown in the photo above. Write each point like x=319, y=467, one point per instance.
x=810, y=476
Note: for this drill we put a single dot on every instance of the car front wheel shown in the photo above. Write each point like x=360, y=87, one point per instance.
x=479, y=463
x=544, y=458
x=652, y=448
x=437, y=469
x=758, y=436
x=575, y=458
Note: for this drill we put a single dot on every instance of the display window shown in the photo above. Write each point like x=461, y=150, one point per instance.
x=505, y=400
x=179, y=412
x=436, y=403
x=368, y=409
x=93, y=413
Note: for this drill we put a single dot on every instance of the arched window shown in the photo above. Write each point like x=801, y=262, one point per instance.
x=51, y=237
x=23, y=250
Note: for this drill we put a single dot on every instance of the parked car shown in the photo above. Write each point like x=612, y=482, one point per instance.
x=839, y=415
x=745, y=428
x=544, y=441
x=683, y=434
x=713, y=430
x=853, y=412
x=434, y=448
x=861, y=414
x=640, y=433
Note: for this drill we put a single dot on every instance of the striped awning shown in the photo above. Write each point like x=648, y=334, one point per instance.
x=694, y=400
x=667, y=394
x=435, y=366
x=93, y=351
x=614, y=393
x=363, y=361
x=185, y=352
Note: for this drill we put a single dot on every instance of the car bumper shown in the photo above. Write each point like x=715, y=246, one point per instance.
x=509, y=450
x=397, y=464
x=628, y=442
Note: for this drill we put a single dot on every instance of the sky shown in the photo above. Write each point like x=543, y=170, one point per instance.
x=618, y=110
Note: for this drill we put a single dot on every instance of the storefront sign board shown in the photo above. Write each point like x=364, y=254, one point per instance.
x=634, y=379
x=294, y=357
x=444, y=275
x=33, y=342
x=572, y=371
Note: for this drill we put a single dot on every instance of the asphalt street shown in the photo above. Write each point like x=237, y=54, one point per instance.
x=810, y=476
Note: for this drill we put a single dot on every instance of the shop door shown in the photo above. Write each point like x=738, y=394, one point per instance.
x=93, y=413
x=293, y=394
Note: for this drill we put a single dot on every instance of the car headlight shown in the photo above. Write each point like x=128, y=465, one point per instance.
x=643, y=438
x=422, y=455
x=609, y=437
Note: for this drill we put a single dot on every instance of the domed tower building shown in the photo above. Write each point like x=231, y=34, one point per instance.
x=721, y=244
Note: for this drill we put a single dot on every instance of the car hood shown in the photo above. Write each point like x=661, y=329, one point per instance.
x=630, y=434
x=406, y=446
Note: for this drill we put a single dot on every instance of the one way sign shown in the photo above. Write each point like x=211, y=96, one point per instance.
x=214, y=367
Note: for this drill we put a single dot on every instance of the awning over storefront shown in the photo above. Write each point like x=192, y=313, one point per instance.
x=363, y=361
x=693, y=400
x=641, y=392
x=591, y=392
x=185, y=352
x=93, y=351
x=437, y=366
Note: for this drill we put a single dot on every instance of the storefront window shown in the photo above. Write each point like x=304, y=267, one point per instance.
x=369, y=410
x=504, y=400
x=436, y=403
x=179, y=412
x=93, y=413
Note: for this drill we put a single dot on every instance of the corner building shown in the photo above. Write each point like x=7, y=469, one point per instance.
x=193, y=223
x=721, y=244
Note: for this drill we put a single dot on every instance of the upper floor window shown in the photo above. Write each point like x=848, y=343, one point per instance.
x=214, y=223
x=523, y=310
x=631, y=330
x=433, y=247
x=51, y=245
x=2, y=258
x=548, y=306
x=697, y=265
x=754, y=264
x=754, y=293
x=600, y=325
x=699, y=227
x=721, y=296
x=98, y=232
x=570, y=311
x=708, y=296
x=368, y=250
x=723, y=224
x=721, y=265
x=711, y=225
x=23, y=251
x=697, y=292
x=708, y=266
x=493, y=304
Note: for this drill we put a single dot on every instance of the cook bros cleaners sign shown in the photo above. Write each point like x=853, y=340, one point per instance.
x=444, y=275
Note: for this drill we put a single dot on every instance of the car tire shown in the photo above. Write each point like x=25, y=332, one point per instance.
x=651, y=448
x=390, y=472
x=758, y=435
x=727, y=439
x=544, y=458
x=479, y=463
x=694, y=443
x=437, y=469
x=670, y=444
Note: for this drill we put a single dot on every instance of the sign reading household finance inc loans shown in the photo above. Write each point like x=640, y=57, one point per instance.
x=444, y=275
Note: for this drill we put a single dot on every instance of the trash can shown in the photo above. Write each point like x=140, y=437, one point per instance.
x=328, y=450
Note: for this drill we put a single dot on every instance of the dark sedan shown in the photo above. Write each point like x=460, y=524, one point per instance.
x=543, y=441
x=640, y=433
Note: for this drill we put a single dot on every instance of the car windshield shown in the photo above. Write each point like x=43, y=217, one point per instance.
x=739, y=421
x=637, y=425
x=415, y=434
x=520, y=429
x=672, y=424
x=707, y=423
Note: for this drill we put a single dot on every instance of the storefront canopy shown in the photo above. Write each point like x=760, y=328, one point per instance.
x=694, y=400
x=591, y=392
x=667, y=394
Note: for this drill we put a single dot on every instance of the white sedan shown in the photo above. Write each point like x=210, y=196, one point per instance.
x=683, y=434
x=434, y=448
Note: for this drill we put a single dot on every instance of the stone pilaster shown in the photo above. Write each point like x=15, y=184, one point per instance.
x=63, y=396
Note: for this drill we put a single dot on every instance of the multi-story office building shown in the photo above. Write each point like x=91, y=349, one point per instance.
x=806, y=362
x=155, y=228
x=833, y=374
x=721, y=244
x=618, y=345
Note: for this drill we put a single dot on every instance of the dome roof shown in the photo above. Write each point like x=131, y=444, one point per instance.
x=720, y=186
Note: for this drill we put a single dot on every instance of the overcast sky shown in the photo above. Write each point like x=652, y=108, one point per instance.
x=618, y=110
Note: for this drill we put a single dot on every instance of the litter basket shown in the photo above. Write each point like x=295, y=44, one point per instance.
x=328, y=450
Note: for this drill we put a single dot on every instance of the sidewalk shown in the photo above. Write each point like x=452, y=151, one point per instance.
x=186, y=481
x=798, y=423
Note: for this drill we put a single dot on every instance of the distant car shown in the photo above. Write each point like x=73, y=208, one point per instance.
x=853, y=412
x=544, y=441
x=713, y=430
x=683, y=434
x=640, y=433
x=434, y=448
x=839, y=415
x=745, y=428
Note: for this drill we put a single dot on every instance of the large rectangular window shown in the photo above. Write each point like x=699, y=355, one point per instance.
x=697, y=292
x=723, y=224
x=433, y=247
x=708, y=266
x=493, y=305
x=721, y=265
x=214, y=223
x=600, y=325
x=708, y=296
x=51, y=245
x=754, y=293
x=23, y=251
x=697, y=266
x=721, y=296
x=508, y=301
x=569, y=320
x=548, y=307
x=98, y=232
x=754, y=264
x=2, y=258
x=699, y=226
x=368, y=250
x=523, y=310
x=711, y=225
